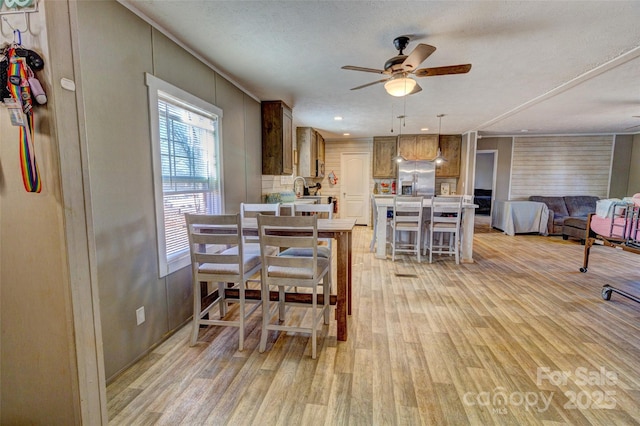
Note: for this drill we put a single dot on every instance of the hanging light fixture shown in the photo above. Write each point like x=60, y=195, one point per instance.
x=400, y=85
x=399, y=158
x=439, y=158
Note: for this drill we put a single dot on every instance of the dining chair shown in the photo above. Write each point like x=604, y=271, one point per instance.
x=253, y=209
x=374, y=209
x=284, y=271
x=325, y=250
x=219, y=255
x=407, y=217
x=374, y=212
x=446, y=214
x=441, y=237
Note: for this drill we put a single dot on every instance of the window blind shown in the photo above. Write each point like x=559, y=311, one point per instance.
x=190, y=168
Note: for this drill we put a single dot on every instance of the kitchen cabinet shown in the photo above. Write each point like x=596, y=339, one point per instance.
x=384, y=149
x=418, y=147
x=450, y=147
x=310, y=145
x=321, y=155
x=277, y=138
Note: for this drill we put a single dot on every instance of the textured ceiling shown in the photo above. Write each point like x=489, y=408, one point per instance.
x=546, y=66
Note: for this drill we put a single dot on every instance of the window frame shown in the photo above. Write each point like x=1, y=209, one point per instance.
x=167, y=266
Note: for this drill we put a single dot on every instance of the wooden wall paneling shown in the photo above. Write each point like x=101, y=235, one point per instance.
x=558, y=166
x=333, y=152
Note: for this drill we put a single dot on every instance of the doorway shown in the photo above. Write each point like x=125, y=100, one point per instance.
x=485, y=181
x=354, y=198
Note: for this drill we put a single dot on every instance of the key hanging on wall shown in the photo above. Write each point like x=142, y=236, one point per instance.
x=18, y=74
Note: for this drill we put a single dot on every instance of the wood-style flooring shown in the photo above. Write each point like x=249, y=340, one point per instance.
x=519, y=337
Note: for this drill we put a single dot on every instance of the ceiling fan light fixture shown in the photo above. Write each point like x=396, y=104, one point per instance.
x=400, y=86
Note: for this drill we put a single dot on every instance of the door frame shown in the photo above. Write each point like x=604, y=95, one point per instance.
x=493, y=178
x=367, y=196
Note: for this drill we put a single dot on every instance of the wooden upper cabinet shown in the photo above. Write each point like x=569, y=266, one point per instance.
x=426, y=147
x=450, y=146
x=418, y=147
x=407, y=146
x=321, y=155
x=277, y=138
x=384, y=149
x=310, y=149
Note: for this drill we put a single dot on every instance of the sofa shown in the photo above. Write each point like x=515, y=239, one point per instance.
x=568, y=214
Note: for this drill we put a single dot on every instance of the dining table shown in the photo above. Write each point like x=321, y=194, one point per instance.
x=384, y=204
x=341, y=230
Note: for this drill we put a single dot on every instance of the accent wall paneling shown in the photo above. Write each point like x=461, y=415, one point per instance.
x=558, y=166
x=333, y=155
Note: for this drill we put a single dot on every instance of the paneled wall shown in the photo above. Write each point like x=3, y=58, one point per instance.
x=503, y=146
x=119, y=152
x=39, y=376
x=559, y=166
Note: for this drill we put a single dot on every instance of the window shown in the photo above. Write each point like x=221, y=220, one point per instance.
x=187, y=166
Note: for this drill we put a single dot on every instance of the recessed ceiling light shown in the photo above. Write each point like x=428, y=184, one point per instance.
x=524, y=130
x=424, y=129
x=337, y=118
x=346, y=134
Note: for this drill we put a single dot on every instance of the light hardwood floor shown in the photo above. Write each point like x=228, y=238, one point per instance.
x=519, y=337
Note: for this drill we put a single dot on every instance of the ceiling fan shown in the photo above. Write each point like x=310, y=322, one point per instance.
x=401, y=66
x=633, y=127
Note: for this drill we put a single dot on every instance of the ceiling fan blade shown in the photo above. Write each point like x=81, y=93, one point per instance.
x=419, y=54
x=354, y=68
x=451, y=69
x=632, y=127
x=371, y=84
x=415, y=90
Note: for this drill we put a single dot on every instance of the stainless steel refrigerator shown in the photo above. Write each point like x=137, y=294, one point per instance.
x=417, y=178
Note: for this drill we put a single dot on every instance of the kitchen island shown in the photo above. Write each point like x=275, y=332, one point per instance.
x=383, y=204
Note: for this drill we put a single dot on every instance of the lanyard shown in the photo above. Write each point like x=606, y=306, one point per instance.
x=18, y=86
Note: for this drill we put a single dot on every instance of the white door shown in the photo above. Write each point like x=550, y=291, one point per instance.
x=354, y=184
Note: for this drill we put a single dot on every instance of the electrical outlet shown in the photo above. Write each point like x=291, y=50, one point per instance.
x=140, y=315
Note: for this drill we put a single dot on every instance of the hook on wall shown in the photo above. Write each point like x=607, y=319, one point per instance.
x=15, y=30
x=25, y=11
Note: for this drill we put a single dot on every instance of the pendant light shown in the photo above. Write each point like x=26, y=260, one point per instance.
x=439, y=158
x=399, y=158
